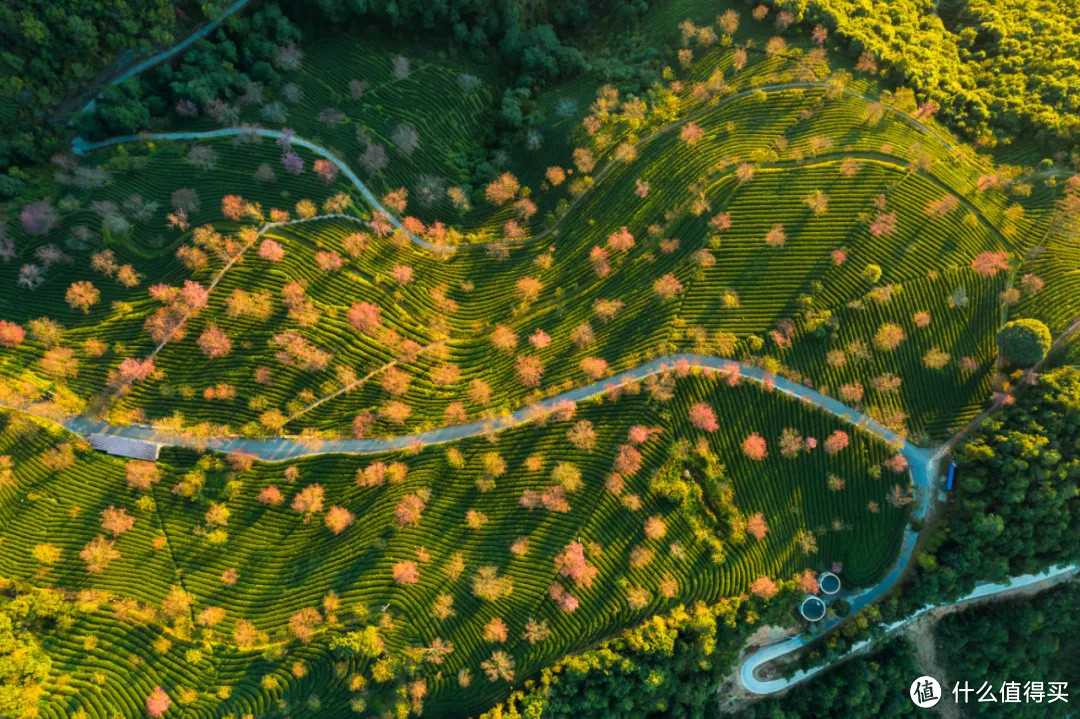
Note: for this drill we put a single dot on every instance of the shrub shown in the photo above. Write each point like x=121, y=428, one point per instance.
x=1024, y=342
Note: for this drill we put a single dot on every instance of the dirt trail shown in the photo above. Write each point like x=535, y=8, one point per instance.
x=921, y=634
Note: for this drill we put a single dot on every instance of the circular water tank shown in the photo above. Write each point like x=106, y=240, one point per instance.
x=812, y=609
x=828, y=582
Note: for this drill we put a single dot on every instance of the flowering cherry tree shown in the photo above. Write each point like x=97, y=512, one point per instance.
x=764, y=587
x=755, y=447
x=158, y=702
x=703, y=417
x=756, y=526
x=571, y=563
x=836, y=441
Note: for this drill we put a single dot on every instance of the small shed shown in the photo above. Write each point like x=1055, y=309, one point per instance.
x=125, y=447
x=952, y=476
x=812, y=609
x=828, y=583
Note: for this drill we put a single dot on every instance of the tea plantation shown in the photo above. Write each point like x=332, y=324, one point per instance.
x=319, y=260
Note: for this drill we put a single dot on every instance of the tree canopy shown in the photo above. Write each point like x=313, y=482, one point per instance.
x=998, y=68
x=861, y=687
x=1031, y=639
x=1024, y=342
x=50, y=51
x=24, y=665
x=1015, y=507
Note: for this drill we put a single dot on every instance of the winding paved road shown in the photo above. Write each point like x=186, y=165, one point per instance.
x=276, y=449
x=81, y=146
x=747, y=673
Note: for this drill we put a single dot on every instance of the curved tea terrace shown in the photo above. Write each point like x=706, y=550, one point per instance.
x=80, y=146
x=922, y=463
x=923, y=466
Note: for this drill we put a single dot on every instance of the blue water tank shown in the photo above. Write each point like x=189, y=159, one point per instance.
x=812, y=609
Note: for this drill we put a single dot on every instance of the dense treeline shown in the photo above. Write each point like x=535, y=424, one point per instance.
x=245, y=55
x=999, y=69
x=669, y=666
x=238, y=60
x=50, y=51
x=529, y=36
x=1027, y=640
x=477, y=16
x=1015, y=508
x=862, y=687
x=24, y=664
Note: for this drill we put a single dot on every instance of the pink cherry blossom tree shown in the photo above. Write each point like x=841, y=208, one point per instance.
x=836, y=441
x=703, y=417
x=571, y=563
x=756, y=526
x=157, y=703
x=755, y=447
x=764, y=587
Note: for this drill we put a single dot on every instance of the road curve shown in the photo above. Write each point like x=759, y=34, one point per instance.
x=81, y=146
x=747, y=672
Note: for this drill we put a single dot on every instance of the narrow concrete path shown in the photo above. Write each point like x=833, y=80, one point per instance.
x=81, y=146
x=747, y=673
x=276, y=449
x=166, y=54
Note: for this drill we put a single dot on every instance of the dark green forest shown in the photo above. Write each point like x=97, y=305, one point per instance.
x=51, y=51
x=1025, y=640
x=874, y=685
x=1015, y=508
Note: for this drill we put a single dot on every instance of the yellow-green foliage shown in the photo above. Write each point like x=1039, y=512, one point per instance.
x=998, y=68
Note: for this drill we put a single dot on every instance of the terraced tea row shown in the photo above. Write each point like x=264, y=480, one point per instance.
x=757, y=311
x=286, y=563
